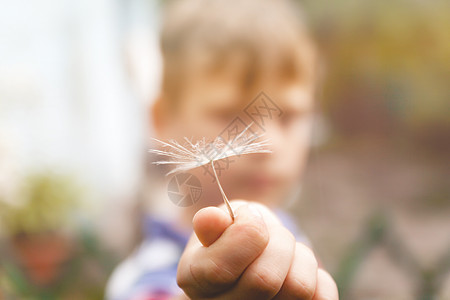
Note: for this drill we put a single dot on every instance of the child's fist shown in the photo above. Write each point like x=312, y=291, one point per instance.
x=254, y=257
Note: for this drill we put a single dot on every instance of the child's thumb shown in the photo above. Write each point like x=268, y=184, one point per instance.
x=209, y=224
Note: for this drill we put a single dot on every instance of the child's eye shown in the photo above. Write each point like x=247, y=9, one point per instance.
x=223, y=115
x=287, y=118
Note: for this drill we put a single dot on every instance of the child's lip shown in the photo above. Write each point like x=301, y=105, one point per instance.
x=260, y=181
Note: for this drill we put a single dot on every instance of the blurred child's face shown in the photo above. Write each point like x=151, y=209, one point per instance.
x=209, y=102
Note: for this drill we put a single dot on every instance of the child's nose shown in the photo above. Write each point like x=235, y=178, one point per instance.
x=274, y=134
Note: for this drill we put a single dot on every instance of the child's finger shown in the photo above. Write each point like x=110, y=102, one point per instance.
x=301, y=280
x=264, y=277
x=209, y=224
x=205, y=271
x=326, y=287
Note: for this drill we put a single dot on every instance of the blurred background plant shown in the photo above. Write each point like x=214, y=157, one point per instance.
x=387, y=69
x=44, y=250
x=376, y=197
x=45, y=203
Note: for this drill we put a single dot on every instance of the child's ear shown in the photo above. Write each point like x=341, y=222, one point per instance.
x=158, y=116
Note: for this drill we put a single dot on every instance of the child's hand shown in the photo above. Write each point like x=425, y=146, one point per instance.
x=255, y=257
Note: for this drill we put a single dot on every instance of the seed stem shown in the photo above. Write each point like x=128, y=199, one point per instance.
x=225, y=199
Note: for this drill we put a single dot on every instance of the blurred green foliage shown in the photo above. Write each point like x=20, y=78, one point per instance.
x=387, y=66
x=83, y=276
x=44, y=202
x=386, y=77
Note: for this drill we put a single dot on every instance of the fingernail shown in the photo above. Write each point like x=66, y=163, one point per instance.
x=254, y=210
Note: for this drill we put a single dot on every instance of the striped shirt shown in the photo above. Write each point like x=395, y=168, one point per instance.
x=149, y=273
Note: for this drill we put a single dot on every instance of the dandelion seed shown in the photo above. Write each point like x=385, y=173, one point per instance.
x=190, y=156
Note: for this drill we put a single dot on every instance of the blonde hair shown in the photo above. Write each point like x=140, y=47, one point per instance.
x=268, y=34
